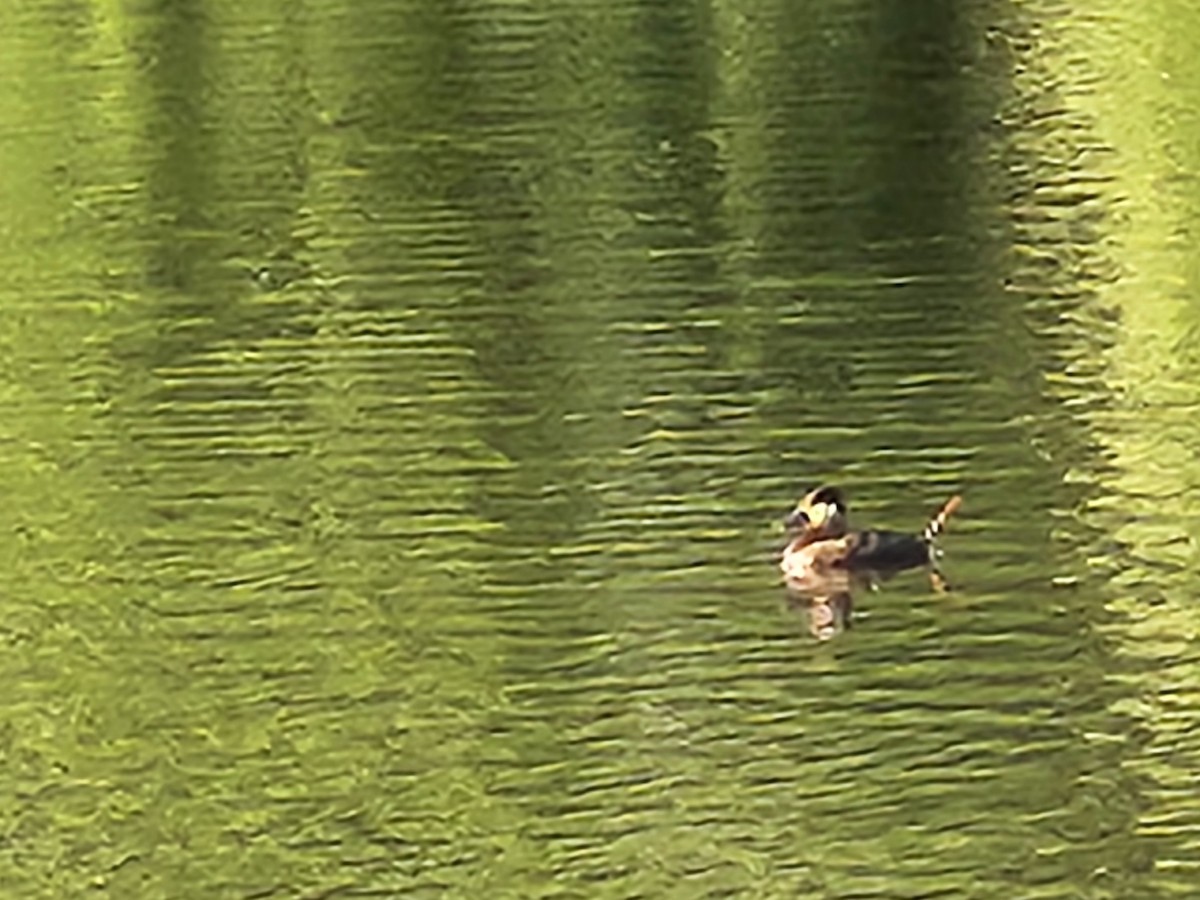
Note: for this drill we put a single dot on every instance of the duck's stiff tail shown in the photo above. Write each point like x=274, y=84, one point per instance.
x=938, y=523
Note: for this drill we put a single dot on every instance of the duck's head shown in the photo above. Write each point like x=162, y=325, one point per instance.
x=823, y=509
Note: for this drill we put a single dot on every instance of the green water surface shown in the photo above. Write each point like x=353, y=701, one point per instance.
x=399, y=400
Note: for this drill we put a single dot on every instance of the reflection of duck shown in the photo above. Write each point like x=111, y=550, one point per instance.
x=825, y=599
x=824, y=560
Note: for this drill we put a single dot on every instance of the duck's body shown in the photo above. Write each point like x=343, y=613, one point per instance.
x=858, y=550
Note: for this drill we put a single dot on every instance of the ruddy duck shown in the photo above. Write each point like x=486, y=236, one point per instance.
x=821, y=540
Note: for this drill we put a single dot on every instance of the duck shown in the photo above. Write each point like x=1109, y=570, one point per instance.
x=820, y=539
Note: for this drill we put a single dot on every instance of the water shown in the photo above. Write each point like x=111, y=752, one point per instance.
x=401, y=403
